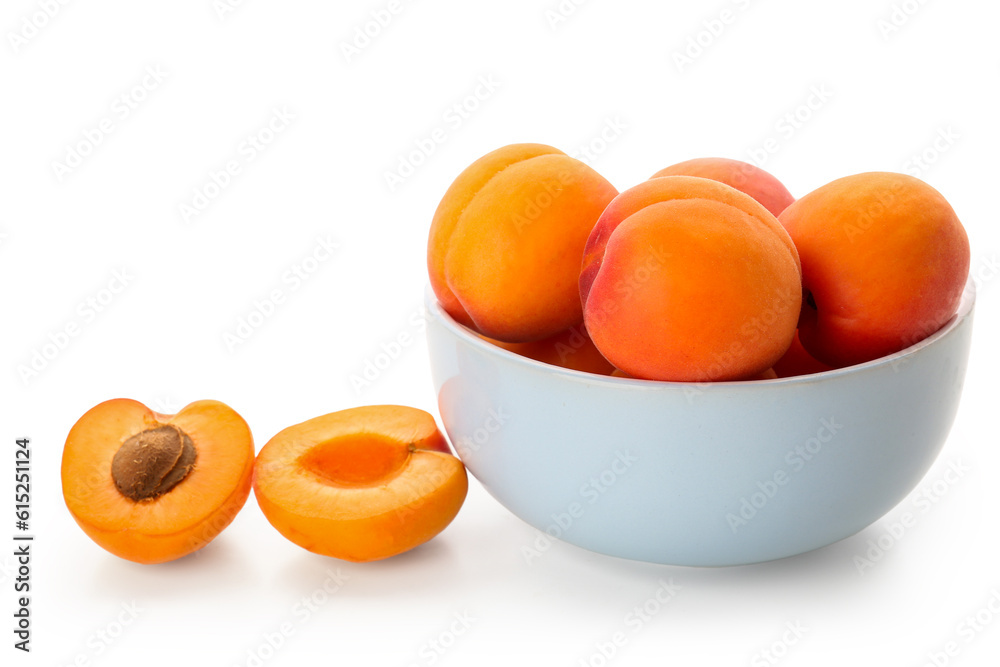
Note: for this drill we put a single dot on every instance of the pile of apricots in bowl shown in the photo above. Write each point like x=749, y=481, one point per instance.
x=709, y=271
x=700, y=369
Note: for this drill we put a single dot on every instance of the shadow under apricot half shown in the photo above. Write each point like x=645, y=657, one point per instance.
x=360, y=484
x=150, y=487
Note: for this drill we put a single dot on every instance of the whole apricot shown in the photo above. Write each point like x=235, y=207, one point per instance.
x=570, y=349
x=506, y=240
x=689, y=279
x=884, y=263
x=743, y=176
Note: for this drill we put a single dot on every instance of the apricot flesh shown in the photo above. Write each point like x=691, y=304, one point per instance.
x=505, y=243
x=688, y=279
x=181, y=519
x=884, y=264
x=360, y=484
x=743, y=176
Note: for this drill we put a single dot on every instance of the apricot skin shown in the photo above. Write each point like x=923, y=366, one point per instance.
x=504, y=248
x=743, y=176
x=688, y=279
x=796, y=361
x=182, y=520
x=572, y=349
x=884, y=261
x=361, y=484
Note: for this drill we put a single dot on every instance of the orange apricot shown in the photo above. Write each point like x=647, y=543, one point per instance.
x=688, y=279
x=884, y=263
x=570, y=349
x=505, y=243
x=360, y=484
x=743, y=176
x=150, y=487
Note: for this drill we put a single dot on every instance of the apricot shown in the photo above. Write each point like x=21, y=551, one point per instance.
x=743, y=176
x=570, y=349
x=360, y=484
x=797, y=361
x=150, y=487
x=884, y=263
x=688, y=279
x=506, y=240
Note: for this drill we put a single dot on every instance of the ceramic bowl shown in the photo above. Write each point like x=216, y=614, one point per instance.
x=713, y=474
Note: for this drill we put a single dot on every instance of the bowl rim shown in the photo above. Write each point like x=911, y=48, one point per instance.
x=965, y=308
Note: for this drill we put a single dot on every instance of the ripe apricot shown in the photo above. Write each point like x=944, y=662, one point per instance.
x=743, y=176
x=360, y=484
x=884, y=263
x=150, y=487
x=688, y=279
x=571, y=349
x=506, y=240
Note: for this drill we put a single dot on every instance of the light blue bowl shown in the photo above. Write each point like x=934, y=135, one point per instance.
x=715, y=474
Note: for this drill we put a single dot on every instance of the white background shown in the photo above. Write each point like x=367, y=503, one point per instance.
x=879, y=97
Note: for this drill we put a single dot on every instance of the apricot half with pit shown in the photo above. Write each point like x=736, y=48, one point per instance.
x=150, y=487
x=360, y=484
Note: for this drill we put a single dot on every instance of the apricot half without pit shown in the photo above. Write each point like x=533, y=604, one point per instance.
x=360, y=484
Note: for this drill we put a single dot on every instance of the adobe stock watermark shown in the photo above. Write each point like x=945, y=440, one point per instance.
x=31, y=25
x=496, y=419
x=625, y=288
x=589, y=493
x=552, y=189
x=86, y=312
x=779, y=649
x=452, y=119
x=899, y=15
x=301, y=612
x=218, y=180
x=983, y=272
x=707, y=34
x=223, y=8
x=368, y=31
x=104, y=637
x=122, y=107
x=389, y=351
x=966, y=631
x=634, y=621
x=796, y=459
x=292, y=279
x=432, y=650
x=592, y=149
x=924, y=499
x=920, y=163
x=563, y=11
x=790, y=123
x=750, y=332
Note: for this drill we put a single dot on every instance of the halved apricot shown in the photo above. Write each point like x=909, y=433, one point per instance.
x=360, y=484
x=150, y=487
